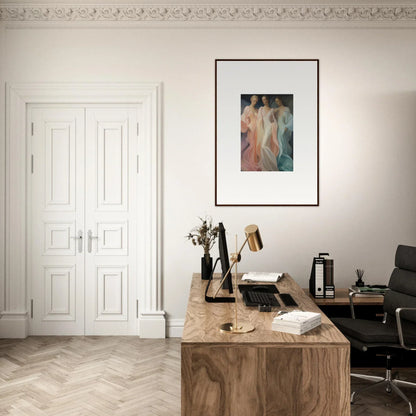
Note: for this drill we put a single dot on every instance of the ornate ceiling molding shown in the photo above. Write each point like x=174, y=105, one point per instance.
x=204, y=13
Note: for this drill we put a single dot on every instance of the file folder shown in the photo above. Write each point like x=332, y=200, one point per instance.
x=321, y=281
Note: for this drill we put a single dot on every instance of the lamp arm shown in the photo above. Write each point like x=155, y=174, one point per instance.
x=229, y=270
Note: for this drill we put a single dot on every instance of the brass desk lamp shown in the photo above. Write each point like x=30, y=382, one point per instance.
x=253, y=239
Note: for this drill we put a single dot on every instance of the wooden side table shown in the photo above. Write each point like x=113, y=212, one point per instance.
x=366, y=307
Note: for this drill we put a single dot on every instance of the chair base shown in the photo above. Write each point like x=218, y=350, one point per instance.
x=391, y=384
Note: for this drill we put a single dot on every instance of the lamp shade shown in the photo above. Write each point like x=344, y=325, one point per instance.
x=254, y=237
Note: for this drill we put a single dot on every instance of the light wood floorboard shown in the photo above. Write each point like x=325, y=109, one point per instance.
x=77, y=376
x=122, y=376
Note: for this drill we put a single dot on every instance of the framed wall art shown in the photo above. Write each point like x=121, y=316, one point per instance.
x=266, y=132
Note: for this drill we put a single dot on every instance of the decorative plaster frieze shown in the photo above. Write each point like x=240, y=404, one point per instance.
x=217, y=13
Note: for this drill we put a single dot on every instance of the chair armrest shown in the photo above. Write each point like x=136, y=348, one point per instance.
x=355, y=292
x=400, y=329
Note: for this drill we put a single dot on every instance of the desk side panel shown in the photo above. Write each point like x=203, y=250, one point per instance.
x=186, y=380
x=223, y=381
x=267, y=381
x=308, y=382
x=326, y=381
x=283, y=381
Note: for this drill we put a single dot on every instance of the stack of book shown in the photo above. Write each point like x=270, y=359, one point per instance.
x=296, y=322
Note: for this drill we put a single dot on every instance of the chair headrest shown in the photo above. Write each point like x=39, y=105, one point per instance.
x=406, y=258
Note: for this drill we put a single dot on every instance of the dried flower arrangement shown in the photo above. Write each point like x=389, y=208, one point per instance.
x=204, y=235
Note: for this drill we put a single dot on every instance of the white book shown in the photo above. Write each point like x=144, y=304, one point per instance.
x=296, y=322
x=262, y=277
x=297, y=316
x=294, y=330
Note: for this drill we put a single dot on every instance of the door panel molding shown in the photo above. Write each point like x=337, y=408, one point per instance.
x=59, y=293
x=58, y=238
x=18, y=97
x=54, y=255
x=112, y=280
x=112, y=238
x=113, y=196
x=112, y=145
x=60, y=162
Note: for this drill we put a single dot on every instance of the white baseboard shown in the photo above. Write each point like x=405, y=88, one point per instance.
x=175, y=328
x=14, y=325
x=152, y=324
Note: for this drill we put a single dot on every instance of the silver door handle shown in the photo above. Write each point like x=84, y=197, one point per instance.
x=79, y=238
x=90, y=238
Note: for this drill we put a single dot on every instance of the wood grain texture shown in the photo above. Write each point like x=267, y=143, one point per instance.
x=315, y=386
x=251, y=380
x=264, y=372
x=342, y=299
x=325, y=381
x=218, y=381
x=203, y=319
x=280, y=389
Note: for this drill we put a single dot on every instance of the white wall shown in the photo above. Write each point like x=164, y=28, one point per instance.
x=367, y=135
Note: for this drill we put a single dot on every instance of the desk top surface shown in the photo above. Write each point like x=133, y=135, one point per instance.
x=203, y=319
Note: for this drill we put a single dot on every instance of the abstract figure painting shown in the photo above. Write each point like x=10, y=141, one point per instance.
x=266, y=132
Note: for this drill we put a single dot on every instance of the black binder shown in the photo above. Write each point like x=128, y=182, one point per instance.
x=329, y=278
x=321, y=281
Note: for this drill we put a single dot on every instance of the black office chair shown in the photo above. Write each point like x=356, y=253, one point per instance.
x=398, y=329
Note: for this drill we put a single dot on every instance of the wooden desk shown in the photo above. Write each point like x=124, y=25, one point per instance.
x=264, y=372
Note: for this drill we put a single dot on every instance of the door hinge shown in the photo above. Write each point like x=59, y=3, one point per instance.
x=137, y=308
x=138, y=166
x=31, y=163
x=32, y=128
x=31, y=308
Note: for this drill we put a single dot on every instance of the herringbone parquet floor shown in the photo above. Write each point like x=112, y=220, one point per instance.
x=119, y=376
x=94, y=376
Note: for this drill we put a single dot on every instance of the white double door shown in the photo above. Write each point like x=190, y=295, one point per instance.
x=83, y=219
